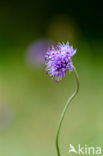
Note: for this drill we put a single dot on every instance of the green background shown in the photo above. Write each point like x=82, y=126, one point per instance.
x=33, y=101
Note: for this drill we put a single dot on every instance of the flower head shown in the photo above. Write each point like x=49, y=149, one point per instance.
x=58, y=60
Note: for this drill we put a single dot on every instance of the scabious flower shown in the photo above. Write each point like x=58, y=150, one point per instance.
x=58, y=60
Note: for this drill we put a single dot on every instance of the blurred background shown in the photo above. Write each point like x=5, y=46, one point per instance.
x=31, y=103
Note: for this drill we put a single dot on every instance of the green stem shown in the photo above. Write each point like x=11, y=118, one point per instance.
x=65, y=109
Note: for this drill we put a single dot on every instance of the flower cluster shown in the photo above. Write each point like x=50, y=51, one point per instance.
x=58, y=60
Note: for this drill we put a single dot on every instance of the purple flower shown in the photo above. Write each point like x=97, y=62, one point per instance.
x=58, y=60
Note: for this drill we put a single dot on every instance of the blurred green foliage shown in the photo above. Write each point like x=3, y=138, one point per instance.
x=36, y=101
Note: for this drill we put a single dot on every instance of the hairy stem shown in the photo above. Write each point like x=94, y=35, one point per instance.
x=65, y=109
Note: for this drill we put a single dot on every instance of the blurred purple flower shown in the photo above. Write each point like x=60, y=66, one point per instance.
x=36, y=52
x=58, y=60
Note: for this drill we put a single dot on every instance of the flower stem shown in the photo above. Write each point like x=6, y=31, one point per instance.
x=65, y=109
